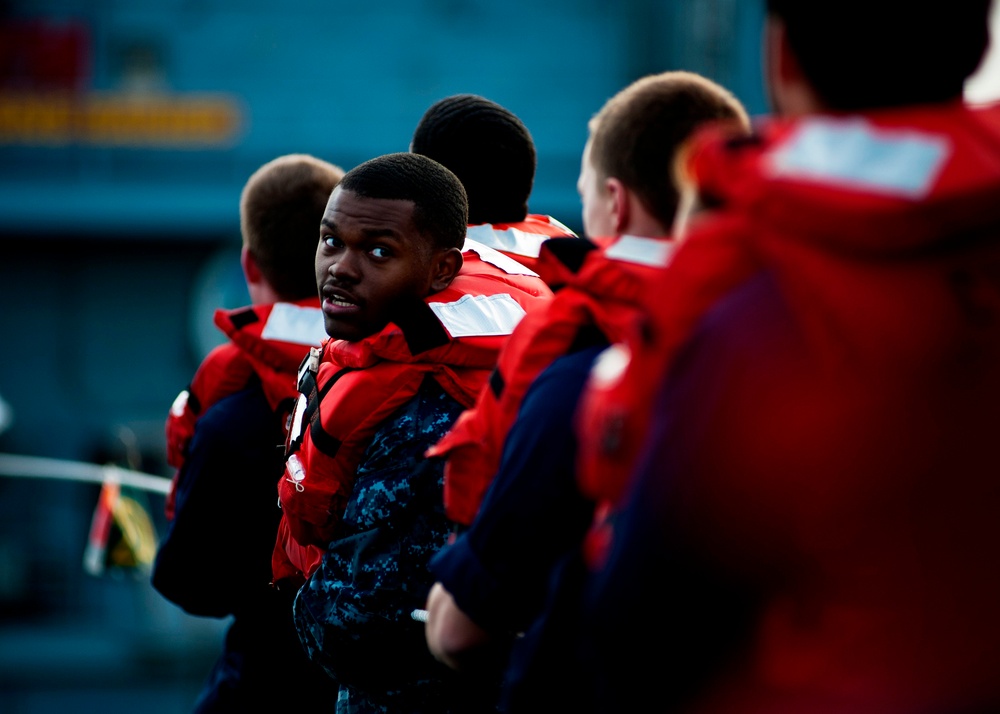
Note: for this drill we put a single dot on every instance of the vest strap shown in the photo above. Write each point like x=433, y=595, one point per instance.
x=323, y=441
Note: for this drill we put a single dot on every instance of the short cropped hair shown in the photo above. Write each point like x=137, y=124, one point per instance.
x=636, y=134
x=281, y=208
x=488, y=148
x=441, y=208
x=869, y=54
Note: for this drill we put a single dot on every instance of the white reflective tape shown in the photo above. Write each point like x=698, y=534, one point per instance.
x=654, y=252
x=855, y=154
x=610, y=365
x=560, y=226
x=298, y=416
x=498, y=259
x=180, y=403
x=511, y=240
x=479, y=315
x=295, y=323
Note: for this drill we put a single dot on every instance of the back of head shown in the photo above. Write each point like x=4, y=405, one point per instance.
x=636, y=134
x=867, y=54
x=488, y=148
x=281, y=208
x=441, y=209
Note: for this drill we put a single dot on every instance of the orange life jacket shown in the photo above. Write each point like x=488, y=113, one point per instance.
x=600, y=288
x=269, y=341
x=349, y=389
x=927, y=175
x=521, y=241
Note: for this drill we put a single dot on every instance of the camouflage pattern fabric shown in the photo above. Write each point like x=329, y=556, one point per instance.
x=353, y=616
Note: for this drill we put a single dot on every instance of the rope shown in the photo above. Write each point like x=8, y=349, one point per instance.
x=39, y=467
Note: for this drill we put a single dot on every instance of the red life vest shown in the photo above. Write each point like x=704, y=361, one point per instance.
x=267, y=340
x=521, y=241
x=600, y=289
x=224, y=371
x=612, y=415
x=802, y=199
x=454, y=337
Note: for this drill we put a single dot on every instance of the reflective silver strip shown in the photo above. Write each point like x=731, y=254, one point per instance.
x=553, y=223
x=180, y=403
x=654, y=252
x=295, y=323
x=511, y=240
x=498, y=259
x=610, y=365
x=854, y=154
x=298, y=415
x=479, y=315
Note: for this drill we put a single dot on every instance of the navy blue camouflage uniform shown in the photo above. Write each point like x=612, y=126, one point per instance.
x=353, y=615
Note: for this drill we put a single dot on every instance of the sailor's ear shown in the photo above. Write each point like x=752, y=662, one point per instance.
x=251, y=271
x=619, y=195
x=447, y=263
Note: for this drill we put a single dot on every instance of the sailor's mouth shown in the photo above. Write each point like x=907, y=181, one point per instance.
x=335, y=301
x=339, y=302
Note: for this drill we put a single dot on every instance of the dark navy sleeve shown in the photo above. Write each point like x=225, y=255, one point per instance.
x=533, y=513
x=215, y=558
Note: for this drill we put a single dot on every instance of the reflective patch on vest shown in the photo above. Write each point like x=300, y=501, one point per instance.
x=180, y=404
x=479, y=315
x=511, y=240
x=297, y=425
x=497, y=259
x=561, y=226
x=296, y=324
x=610, y=365
x=857, y=155
x=654, y=252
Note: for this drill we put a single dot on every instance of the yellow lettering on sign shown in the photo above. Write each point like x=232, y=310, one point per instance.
x=107, y=119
